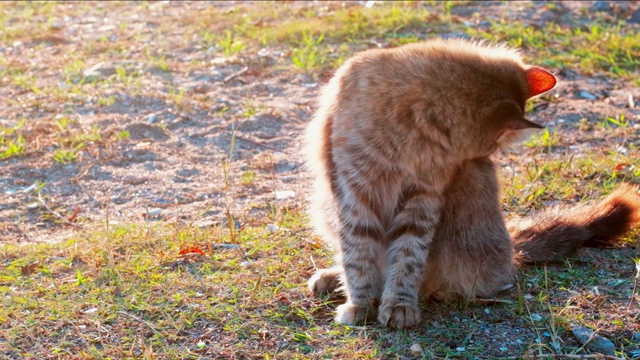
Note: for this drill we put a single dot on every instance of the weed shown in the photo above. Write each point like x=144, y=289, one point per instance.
x=250, y=109
x=12, y=143
x=26, y=82
x=248, y=177
x=12, y=147
x=106, y=100
x=121, y=135
x=546, y=139
x=230, y=45
x=65, y=156
x=618, y=121
x=309, y=55
x=126, y=77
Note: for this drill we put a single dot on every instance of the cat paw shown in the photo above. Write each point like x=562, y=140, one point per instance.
x=399, y=316
x=351, y=314
x=325, y=281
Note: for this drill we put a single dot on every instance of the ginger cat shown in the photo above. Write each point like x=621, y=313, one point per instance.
x=405, y=188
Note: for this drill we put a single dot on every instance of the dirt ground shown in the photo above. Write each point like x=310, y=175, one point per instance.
x=173, y=158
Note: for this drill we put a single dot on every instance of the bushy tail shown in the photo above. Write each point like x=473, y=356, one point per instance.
x=560, y=230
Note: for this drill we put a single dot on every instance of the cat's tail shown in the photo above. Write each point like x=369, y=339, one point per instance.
x=560, y=230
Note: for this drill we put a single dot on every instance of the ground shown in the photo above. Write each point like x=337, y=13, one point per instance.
x=153, y=189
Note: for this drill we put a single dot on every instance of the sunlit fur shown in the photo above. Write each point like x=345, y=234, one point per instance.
x=404, y=187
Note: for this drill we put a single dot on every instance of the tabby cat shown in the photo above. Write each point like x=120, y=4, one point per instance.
x=404, y=185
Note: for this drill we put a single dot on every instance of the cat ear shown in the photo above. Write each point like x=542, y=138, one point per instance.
x=521, y=124
x=539, y=80
x=515, y=131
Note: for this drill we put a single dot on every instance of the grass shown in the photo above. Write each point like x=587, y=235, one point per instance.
x=171, y=288
x=154, y=290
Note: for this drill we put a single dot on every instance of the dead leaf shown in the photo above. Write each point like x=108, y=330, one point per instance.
x=192, y=250
x=117, y=292
x=28, y=270
x=73, y=216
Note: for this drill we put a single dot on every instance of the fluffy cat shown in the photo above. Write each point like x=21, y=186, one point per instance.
x=405, y=188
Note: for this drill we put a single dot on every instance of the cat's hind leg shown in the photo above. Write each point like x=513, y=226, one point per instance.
x=326, y=281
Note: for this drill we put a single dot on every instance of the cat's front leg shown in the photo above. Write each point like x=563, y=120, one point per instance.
x=361, y=260
x=411, y=234
x=362, y=248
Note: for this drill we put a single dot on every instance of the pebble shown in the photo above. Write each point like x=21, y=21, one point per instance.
x=593, y=341
x=288, y=178
x=284, y=194
x=635, y=17
x=226, y=246
x=587, y=95
x=460, y=348
x=416, y=349
x=602, y=6
x=536, y=317
x=153, y=213
x=30, y=188
x=33, y=205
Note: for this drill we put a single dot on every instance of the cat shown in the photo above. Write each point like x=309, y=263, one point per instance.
x=405, y=188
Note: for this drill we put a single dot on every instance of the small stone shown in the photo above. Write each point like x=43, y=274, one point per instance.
x=284, y=194
x=536, y=317
x=621, y=150
x=587, y=95
x=153, y=213
x=226, y=246
x=416, y=349
x=460, y=348
x=273, y=228
x=635, y=17
x=456, y=35
x=30, y=188
x=602, y=6
x=593, y=341
x=288, y=178
x=242, y=154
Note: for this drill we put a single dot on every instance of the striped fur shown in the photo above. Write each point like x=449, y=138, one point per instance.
x=399, y=149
